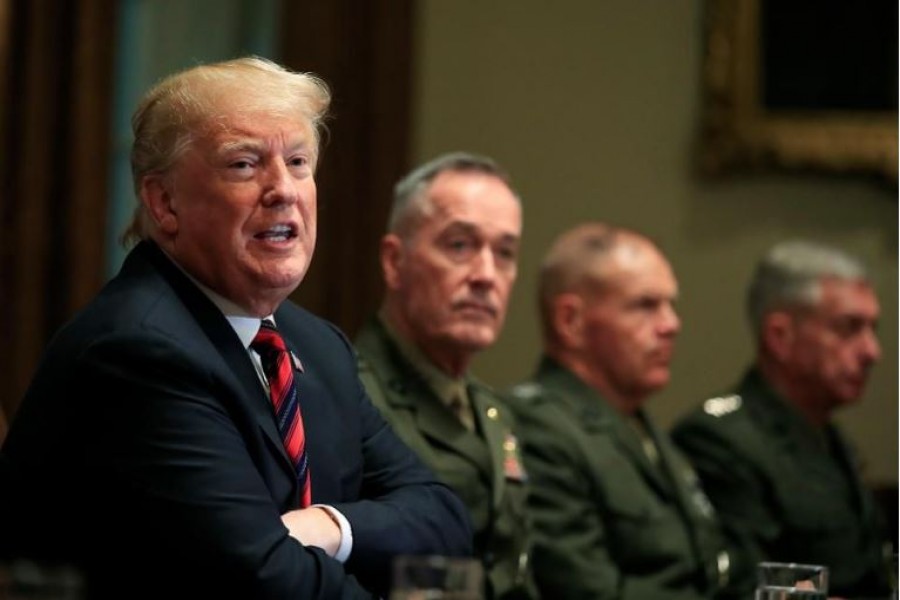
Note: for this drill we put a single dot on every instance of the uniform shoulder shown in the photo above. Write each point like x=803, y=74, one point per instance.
x=540, y=409
x=727, y=429
x=719, y=407
x=715, y=413
x=529, y=392
x=526, y=390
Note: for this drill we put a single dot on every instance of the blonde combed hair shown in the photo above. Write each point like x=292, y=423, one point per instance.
x=186, y=104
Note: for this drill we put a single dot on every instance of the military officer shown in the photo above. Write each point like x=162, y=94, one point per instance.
x=449, y=263
x=781, y=475
x=619, y=512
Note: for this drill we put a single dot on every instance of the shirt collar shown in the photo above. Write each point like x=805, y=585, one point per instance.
x=245, y=325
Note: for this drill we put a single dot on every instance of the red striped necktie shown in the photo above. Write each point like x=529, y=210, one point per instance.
x=279, y=370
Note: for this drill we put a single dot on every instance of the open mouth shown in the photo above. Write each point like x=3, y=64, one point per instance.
x=278, y=233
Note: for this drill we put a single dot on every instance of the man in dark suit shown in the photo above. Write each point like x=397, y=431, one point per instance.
x=619, y=513
x=147, y=451
x=449, y=261
x=777, y=467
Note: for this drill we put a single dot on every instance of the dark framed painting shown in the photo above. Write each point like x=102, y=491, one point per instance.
x=800, y=84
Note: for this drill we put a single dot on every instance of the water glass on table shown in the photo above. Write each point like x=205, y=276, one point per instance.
x=436, y=578
x=27, y=580
x=791, y=581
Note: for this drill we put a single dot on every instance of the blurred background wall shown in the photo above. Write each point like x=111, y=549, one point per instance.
x=594, y=107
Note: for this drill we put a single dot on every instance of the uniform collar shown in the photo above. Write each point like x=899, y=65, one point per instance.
x=445, y=387
x=778, y=412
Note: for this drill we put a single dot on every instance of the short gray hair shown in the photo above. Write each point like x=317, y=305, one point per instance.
x=410, y=191
x=790, y=275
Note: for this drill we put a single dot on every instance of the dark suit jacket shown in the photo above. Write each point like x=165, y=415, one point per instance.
x=146, y=453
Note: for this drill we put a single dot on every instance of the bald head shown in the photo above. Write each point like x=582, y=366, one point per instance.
x=579, y=261
x=607, y=297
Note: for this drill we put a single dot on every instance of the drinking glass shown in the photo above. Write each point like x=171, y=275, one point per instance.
x=892, y=573
x=436, y=578
x=26, y=580
x=791, y=581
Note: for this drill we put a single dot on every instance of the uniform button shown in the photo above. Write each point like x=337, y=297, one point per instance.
x=723, y=565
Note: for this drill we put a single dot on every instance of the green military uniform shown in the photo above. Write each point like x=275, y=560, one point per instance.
x=618, y=512
x=481, y=465
x=785, y=491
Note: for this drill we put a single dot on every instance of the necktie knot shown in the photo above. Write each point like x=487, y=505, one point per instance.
x=272, y=350
x=268, y=338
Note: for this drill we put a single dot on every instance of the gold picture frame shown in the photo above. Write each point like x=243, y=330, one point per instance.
x=740, y=133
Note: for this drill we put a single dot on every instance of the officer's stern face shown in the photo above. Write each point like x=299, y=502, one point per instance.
x=454, y=275
x=632, y=323
x=836, y=344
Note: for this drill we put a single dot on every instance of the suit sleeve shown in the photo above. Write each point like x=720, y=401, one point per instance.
x=401, y=508
x=192, y=511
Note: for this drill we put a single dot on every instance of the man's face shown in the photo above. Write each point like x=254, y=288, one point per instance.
x=452, y=277
x=631, y=323
x=834, y=345
x=242, y=204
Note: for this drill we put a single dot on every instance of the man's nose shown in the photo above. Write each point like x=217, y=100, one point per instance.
x=484, y=265
x=279, y=184
x=670, y=322
x=871, y=348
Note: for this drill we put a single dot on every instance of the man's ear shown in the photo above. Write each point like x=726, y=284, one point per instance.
x=159, y=201
x=778, y=334
x=391, y=255
x=568, y=319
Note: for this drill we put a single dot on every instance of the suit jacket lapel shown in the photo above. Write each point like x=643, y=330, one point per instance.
x=239, y=370
x=245, y=378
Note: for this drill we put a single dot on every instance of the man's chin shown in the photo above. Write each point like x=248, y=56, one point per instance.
x=657, y=381
x=475, y=339
x=285, y=276
x=851, y=395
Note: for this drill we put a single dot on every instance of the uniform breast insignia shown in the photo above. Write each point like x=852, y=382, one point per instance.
x=722, y=405
x=512, y=459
